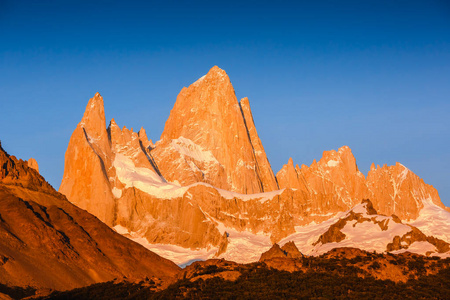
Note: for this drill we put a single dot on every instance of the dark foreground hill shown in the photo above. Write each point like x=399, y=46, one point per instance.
x=339, y=274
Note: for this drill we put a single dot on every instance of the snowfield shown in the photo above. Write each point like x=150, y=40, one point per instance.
x=246, y=247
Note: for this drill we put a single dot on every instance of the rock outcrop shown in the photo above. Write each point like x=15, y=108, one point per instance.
x=88, y=163
x=289, y=250
x=273, y=252
x=32, y=163
x=47, y=242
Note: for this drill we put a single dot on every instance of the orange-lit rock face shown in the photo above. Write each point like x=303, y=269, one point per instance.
x=333, y=184
x=32, y=163
x=208, y=116
x=262, y=163
x=129, y=143
x=288, y=177
x=87, y=164
x=336, y=183
x=397, y=190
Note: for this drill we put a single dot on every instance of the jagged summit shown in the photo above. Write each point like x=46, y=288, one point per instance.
x=32, y=163
x=93, y=120
x=93, y=153
x=393, y=189
x=208, y=114
x=214, y=76
x=215, y=70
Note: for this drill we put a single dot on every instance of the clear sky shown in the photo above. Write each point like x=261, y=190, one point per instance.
x=373, y=75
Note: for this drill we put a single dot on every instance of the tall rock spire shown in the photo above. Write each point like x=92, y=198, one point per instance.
x=207, y=116
x=263, y=166
x=93, y=120
x=287, y=177
x=87, y=163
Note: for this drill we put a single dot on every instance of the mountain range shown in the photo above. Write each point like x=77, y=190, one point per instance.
x=206, y=188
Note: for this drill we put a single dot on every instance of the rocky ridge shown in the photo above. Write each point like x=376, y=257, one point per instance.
x=336, y=181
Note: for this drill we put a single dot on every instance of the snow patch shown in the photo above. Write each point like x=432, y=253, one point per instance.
x=433, y=220
x=421, y=247
x=244, y=246
x=151, y=183
x=262, y=197
x=370, y=237
x=145, y=179
x=333, y=163
x=186, y=147
x=360, y=208
x=199, y=80
x=366, y=235
x=181, y=256
x=404, y=173
x=117, y=192
x=120, y=229
x=305, y=236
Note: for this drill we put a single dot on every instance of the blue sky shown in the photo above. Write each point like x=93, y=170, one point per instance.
x=373, y=75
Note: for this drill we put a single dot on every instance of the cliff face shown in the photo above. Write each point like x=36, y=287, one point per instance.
x=264, y=169
x=333, y=184
x=336, y=181
x=47, y=242
x=208, y=119
x=397, y=190
x=207, y=183
x=32, y=163
x=87, y=166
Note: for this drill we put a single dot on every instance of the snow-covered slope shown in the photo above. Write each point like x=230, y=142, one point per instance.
x=434, y=221
x=361, y=228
